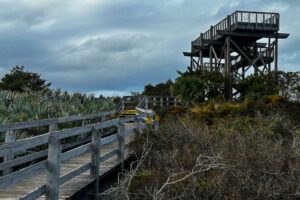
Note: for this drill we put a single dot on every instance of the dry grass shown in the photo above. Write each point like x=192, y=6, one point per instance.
x=238, y=156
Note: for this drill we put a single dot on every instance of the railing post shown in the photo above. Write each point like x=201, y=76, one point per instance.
x=146, y=102
x=53, y=127
x=175, y=101
x=168, y=101
x=10, y=136
x=121, y=139
x=53, y=168
x=95, y=157
x=161, y=102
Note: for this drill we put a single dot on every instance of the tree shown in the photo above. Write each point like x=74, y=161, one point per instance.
x=286, y=84
x=211, y=86
x=20, y=80
x=189, y=89
x=160, y=89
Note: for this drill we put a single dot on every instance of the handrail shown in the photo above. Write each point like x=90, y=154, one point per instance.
x=44, y=122
x=145, y=118
x=260, y=21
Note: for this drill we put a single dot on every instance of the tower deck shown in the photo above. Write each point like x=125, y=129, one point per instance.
x=240, y=41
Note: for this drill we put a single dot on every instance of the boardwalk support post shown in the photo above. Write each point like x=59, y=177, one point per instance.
x=10, y=136
x=53, y=167
x=121, y=139
x=95, y=158
x=53, y=127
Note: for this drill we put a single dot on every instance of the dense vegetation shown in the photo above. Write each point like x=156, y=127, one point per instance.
x=213, y=149
x=192, y=87
x=246, y=150
x=20, y=80
x=25, y=96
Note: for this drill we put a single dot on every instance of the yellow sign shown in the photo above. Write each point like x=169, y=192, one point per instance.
x=148, y=120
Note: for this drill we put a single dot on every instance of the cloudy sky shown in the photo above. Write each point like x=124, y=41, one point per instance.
x=118, y=46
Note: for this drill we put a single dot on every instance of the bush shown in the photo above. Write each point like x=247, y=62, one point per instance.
x=236, y=157
x=19, y=107
x=20, y=80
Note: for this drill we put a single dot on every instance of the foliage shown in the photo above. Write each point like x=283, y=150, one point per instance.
x=160, y=89
x=287, y=84
x=18, y=107
x=189, y=89
x=193, y=86
x=238, y=156
x=20, y=80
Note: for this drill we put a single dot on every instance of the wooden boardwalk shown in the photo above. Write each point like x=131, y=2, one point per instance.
x=63, y=161
x=69, y=188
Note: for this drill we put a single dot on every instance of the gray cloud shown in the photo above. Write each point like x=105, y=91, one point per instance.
x=115, y=46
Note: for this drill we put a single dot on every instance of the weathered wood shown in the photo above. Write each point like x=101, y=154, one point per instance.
x=95, y=159
x=22, y=174
x=33, y=184
x=35, y=193
x=109, y=139
x=23, y=159
x=45, y=122
x=53, y=168
x=121, y=140
x=75, y=173
x=129, y=131
x=95, y=152
x=37, y=155
x=109, y=155
x=10, y=136
x=53, y=164
x=53, y=127
x=75, y=152
x=23, y=144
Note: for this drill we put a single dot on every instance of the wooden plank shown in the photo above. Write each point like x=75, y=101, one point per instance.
x=76, y=152
x=95, y=160
x=109, y=155
x=22, y=174
x=35, y=193
x=129, y=131
x=32, y=186
x=121, y=141
x=53, y=168
x=53, y=127
x=75, y=173
x=109, y=139
x=36, y=155
x=10, y=136
x=44, y=122
x=95, y=152
x=23, y=159
x=27, y=143
x=23, y=144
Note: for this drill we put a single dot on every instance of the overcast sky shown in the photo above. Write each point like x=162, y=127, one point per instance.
x=118, y=46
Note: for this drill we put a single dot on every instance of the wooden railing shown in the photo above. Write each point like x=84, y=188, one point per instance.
x=148, y=101
x=11, y=131
x=53, y=140
x=243, y=20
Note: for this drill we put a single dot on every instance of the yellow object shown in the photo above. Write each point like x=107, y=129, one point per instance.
x=148, y=120
x=127, y=113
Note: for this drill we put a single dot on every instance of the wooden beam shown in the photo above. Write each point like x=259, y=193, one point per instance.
x=255, y=35
x=121, y=138
x=53, y=168
x=45, y=122
x=10, y=136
